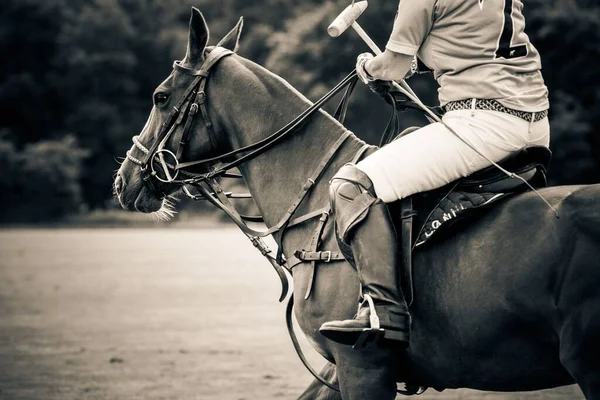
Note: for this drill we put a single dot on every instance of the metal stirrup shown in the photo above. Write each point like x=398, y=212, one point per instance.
x=373, y=317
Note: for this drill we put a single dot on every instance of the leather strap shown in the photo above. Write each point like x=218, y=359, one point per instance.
x=308, y=216
x=203, y=109
x=315, y=241
x=407, y=213
x=166, y=128
x=289, y=322
x=180, y=136
x=299, y=198
x=257, y=242
x=176, y=115
x=261, y=146
x=340, y=112
x=211, y=59
x=325, y=256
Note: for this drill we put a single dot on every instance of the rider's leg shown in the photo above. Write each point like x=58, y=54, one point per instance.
x=424, y=160
x=433, y=156
x=363, y=223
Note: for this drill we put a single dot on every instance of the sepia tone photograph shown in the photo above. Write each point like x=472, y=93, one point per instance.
x=314, y=200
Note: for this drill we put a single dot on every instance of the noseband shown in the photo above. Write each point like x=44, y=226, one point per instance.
x=183, y=113
x=194, y=100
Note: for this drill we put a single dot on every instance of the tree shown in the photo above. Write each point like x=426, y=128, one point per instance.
x=88, y=69
x=41, y=183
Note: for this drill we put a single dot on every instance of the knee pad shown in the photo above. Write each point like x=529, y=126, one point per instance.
x=351, y=195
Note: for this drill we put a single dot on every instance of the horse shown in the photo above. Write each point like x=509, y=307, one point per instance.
x=510, y=302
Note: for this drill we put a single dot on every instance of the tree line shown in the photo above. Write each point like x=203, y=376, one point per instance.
x=76, y=80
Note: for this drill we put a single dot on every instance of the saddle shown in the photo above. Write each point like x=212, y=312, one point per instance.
x=440, y=211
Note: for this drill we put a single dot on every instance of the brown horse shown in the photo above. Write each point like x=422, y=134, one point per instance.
x=510, y=303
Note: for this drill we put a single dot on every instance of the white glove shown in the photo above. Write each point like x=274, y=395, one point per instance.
x=362, y=73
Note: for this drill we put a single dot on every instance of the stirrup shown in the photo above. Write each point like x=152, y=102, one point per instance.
x=374, y=334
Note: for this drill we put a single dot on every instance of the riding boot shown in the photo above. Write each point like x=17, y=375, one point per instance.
x=364, y=225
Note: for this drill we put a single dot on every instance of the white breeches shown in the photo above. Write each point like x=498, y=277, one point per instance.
x=433, y=156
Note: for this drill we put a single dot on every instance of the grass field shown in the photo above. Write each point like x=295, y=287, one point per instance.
x=150, y=314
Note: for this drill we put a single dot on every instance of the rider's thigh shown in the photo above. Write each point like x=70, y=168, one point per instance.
x=434, y=155
x=497, y=135
x=539, y=133
x=423, y=160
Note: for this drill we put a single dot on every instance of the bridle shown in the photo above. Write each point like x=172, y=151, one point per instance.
x=181, y=116
x=164, y=165
x=178, y=125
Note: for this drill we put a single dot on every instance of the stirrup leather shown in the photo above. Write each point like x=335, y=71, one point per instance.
x=375, y=333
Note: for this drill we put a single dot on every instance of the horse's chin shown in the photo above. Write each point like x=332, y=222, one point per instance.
x=147, y=202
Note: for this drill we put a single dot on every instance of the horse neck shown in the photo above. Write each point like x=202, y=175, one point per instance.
x=265, y=104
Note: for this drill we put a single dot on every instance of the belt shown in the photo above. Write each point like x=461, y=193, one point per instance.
x=493, y=105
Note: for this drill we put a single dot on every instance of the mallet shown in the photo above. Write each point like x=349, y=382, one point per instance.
x=346, y=19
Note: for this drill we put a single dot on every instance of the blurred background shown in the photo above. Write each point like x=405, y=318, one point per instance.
x=76, y=79
x=91, y=313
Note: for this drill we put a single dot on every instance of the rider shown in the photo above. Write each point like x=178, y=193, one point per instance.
x=494, y=97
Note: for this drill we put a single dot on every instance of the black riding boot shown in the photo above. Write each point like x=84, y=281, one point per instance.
x=364, y=224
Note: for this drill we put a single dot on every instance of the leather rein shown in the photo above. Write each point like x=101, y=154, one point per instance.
x=156, y=165
x=163, y=165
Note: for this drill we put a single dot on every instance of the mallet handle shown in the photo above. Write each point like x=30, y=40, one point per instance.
x=374, y=48
x=402, y=86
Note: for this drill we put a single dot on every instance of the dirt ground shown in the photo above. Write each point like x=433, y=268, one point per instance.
x=151, y=314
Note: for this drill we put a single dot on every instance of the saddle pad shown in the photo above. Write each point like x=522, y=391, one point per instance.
x=456, y=205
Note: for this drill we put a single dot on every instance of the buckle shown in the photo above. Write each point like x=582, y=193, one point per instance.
x=324, y=216
x=328, y=252
x=193, y=108
x=201, y=97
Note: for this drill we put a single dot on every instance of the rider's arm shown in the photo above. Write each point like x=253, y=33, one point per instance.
x=389, y=66
x=411, y=25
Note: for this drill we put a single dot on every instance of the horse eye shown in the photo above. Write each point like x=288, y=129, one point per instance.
x=160, y=98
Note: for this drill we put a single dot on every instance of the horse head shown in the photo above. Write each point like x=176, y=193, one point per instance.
x=181, y=125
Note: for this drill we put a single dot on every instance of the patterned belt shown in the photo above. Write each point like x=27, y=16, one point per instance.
x=493, y=105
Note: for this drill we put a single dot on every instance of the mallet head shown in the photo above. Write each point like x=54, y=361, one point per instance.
x=346, y=18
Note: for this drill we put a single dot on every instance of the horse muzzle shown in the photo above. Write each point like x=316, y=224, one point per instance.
x=134, y=195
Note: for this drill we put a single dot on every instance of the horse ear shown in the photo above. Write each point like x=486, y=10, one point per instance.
x=231, y=41
x=198, y=38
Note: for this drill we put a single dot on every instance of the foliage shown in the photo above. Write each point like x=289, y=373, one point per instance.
x=567, y=33
x=88, y=69
x=42, y=181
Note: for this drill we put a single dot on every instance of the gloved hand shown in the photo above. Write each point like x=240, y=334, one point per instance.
x=378, y=86
x=361, y=60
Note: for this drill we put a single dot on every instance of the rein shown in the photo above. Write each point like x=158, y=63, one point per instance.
x=194, y=102
x=214, y=198
x=176, y=116
x=263, y=145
